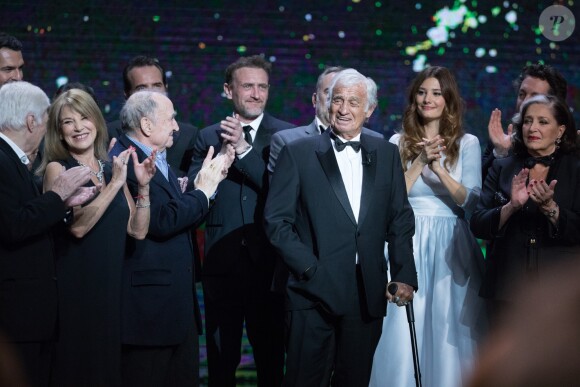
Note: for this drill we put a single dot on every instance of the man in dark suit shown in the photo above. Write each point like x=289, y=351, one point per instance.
x=28, y=298
x=318, y=126
x=333, y=202
x=239, y=262
x=159, y=310
x=146, y=73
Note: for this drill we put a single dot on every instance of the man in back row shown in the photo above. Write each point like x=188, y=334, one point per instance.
x=146, y=73
x=11, y=62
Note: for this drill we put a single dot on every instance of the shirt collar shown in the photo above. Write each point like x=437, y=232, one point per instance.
x=319, y=124
x=19, y=152
x=147, y=149
x=355, y=138
x=256, y=123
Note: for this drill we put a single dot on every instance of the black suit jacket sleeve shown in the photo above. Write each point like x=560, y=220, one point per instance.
x=401, y=229
x=178, y=214
x=484, y=222
x=21, y=220
x=280, y=217
x=486, y=160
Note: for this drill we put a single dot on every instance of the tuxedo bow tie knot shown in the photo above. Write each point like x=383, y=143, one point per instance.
x=340, y=145
x=546, y=160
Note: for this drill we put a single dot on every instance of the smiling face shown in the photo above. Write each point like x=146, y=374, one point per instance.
x=248, y=91
x=429, y=100
x=540, y=130
x=347, y=109
x=77, y=131
x=11, y=65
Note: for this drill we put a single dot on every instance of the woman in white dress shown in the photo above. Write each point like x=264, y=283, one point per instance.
x=443, y=177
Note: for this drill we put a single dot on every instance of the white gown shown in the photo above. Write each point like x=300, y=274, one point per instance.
x=449, y=315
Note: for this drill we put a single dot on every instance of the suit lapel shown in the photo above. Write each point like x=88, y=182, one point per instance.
x=311, y=129
x=263, y=134
x=327, y=160
x=369, y=161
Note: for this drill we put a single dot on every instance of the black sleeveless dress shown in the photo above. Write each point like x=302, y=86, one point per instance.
x=88, y=349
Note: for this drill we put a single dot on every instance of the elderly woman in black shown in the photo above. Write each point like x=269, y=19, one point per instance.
x=530, y=205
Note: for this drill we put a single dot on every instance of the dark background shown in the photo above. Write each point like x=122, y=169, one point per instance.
x=91, y=41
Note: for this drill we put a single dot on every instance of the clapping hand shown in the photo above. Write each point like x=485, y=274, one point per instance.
x=431, y=152
x=233, y=133
x=520, y=193
x=501, y=142
x=144, y=171
x=542, y=194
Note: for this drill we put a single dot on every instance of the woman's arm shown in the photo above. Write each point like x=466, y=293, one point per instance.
x=86, y=217
x=429, y=154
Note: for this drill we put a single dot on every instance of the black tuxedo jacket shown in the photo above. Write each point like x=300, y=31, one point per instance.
x=158, y=300
x=235, y=218
x=506, y=259
x=28, y=298
x=179, y=154
x=310, y=222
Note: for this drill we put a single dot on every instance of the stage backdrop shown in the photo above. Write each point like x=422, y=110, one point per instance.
x=485, y=43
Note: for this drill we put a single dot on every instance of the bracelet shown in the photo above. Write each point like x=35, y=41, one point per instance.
x=140, y=197
x=146, y=205
x=552, y=212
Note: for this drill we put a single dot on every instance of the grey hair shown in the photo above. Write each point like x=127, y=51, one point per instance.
x=17, y=101
x=328, y=70
x=351, y=77
x=138, y=105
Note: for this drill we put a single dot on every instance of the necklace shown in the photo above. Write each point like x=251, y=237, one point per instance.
x=99, y=174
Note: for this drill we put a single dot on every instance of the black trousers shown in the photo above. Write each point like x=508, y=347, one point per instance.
x=36, y=360
x=324, y=349
x=232, y=301
x=156, y=366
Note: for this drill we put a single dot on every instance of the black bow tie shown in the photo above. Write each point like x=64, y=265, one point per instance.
x=546, y=160
x=340, y=145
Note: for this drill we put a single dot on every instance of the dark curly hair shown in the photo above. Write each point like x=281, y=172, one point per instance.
x=558, y=85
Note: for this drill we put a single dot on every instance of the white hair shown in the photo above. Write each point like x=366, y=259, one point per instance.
x=17, y=101
x=351, y=77
x=138, y=105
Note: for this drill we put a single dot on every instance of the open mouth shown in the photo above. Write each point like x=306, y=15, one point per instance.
x=80, y=137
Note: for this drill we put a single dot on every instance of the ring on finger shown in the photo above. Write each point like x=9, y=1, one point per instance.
x=123, y=160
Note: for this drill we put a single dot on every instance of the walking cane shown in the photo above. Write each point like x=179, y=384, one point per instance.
x=411, y=320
